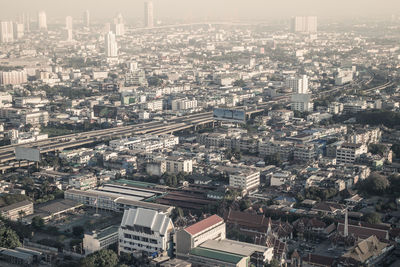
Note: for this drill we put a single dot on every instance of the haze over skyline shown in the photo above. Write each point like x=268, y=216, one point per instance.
x=187, y=9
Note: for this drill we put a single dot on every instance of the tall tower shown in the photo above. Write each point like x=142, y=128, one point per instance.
x=68, y=23
x=42, y=21
x=304, y=24
x=118, y=26
x=346, y=224
x=111, y=46
x=6, y=32
x=86, y=18
x=148, y=14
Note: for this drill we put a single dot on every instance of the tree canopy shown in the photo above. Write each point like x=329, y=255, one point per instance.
x=8, y=238
x=102, y=258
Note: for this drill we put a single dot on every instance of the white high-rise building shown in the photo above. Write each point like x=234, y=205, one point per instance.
x=118, y=26
x=6, y=32
x=42, y=21
x=14, y=77
x=298, y=85
x=86, y=18
x=148, y=14
x=111, y=46
x=68, y=23
x=19, y=30
x=304, y=24
x=26, y=20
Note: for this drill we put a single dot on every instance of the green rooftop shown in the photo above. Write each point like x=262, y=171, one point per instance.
x=216, y=255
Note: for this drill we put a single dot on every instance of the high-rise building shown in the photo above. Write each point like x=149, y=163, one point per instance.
x=42, y=21
x=111, y=46
x=19, y=30
x=299, y=85
x=6, y=32
x=14, y=77
x=118, y=26
x=25, y=19
x=304, y=24
x=148, y=14
x=68, y=23
x=86, y=18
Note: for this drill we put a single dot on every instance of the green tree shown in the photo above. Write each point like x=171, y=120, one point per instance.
x=9, y=238
x=239, y=83
x=77, y=230
x=373, y=218
x=375, y=184
x=37, y=223
x=377, y=149
x=102, y=258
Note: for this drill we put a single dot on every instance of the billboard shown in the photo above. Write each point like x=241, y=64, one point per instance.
x=27, y=153
x=232, y=115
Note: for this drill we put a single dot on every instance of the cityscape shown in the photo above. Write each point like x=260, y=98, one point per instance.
x=214, y=136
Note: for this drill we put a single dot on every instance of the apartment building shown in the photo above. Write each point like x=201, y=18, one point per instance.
x=246, y=179
x=178, y=164
x=347, y=153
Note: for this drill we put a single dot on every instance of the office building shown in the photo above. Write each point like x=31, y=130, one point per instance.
x=42, y=21
x=6, y=32
x=111, y=46
x=304, y=24
x=148, y=14
x=147, y=231
x=86, y=18
x=101, y=239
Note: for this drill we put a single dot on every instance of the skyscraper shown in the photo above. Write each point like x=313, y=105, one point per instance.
x=19, y=30
x=42, y=21
x=111, y=46
x=304, y=24
x=86, y=18
x=118, y=26
x=6, y=32
x=148, y=14
x=68, y=22
x=299, y=85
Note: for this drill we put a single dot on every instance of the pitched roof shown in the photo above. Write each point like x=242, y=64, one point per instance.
x=363, y=232
x=156, y=221
x=370, y=247
x=203, y=224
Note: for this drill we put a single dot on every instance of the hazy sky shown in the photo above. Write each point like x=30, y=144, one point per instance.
x=245, y=9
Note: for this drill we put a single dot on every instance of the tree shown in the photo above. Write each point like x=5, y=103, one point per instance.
x=273, y=263
x=377, y=149
x=375, y=184
x=244, y=204
x=37, y=222
x=77, y=230
x=8, y=238
x=102, y=258
x=373, y=218
x=239, y=83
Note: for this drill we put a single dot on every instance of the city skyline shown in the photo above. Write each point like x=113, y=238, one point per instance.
x=252, y=9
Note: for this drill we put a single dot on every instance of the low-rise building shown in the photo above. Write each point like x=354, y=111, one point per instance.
x=101, y=239
x=18, y=210
x=147, y=231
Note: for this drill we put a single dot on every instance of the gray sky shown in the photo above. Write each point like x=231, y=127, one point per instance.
x=244, y=9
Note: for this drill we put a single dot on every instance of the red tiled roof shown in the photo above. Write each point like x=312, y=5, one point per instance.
x=203, y=224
